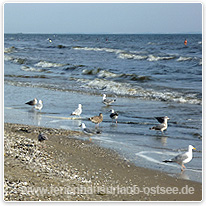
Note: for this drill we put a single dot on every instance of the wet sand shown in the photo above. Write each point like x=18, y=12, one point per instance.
x=64, y=168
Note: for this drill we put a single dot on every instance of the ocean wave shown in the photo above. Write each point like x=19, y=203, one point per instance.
x=110, y=86
x=99, y=49
x=142, y=57
x=126, y=89
x=45, y=64
x=184, y=59
x=134, y=77
x=10, y=49
x=157, y=58
x=131, y=56
x=8, y=58
x=122, y=54
x=26, y=76
x=152, y=43
x=100, y=73
x=98, y=86
x=33, y=69
x=17, y=60
x=73, y=67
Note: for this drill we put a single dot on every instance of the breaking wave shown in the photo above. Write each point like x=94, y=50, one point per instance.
x=122, y=54
x=131, y=56
x=126, y=89
x=17, y=60
x=184, y=59
x=98, y=86
x=99, y=49
x=157, y=58
x=33, y=69
x=10, y=50
x=45, y=64
x=100, y=73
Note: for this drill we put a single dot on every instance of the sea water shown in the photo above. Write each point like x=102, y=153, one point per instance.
x=149, y=75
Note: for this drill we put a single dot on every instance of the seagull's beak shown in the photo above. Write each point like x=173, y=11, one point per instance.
x=194, y=148
x=80, y=125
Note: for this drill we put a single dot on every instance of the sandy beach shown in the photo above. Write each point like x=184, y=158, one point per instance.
x=64, y=168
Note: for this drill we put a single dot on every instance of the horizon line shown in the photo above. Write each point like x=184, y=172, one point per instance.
x=103, y=33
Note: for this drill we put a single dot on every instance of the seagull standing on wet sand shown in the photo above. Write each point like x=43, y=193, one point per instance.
x=32, y=102
x=88, y=131
x=184, y=158
x=107, y=101
x=77, y=111
x=97, y=119
x=161, y=127
x=113, y=115
x=39, y=106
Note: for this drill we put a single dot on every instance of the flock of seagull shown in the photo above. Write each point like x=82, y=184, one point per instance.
x=180, y=159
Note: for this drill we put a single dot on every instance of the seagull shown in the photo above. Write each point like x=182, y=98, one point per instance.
x=49, y=40
x=42, y=137
x=88, y=131
x=32, y=102
x=107, y=101
x=161, y=127
x=113, y=115
x=184, y=158
x=39, y=106
x=77, y=111
x=97, y=119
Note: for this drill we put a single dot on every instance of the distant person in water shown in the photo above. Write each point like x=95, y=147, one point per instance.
x=185, y=42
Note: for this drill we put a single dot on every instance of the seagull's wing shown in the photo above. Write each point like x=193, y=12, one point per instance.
x=76, y=112
x=88, y=131
x=109, y=101
x=160, y=119
x=180, y=158
x=32, y=102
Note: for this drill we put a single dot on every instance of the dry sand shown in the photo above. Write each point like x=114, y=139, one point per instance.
x=62, y=167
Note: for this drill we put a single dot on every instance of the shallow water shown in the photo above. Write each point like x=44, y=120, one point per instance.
x=150, y=75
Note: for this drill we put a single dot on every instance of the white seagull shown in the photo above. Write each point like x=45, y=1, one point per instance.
x=161, y=127
x=184, y=158
x=113, y=115
x=107, y=101
x=39, y=106
x=77, y=111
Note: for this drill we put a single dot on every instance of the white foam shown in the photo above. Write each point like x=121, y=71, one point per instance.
x=8, y=58
x=32, y=69
x=120, y=88
x=9, y=50
x=184, y=59
x=157, y=58
x=99, y=49
x=48, y=64
x=104, y=73
x=131, y=56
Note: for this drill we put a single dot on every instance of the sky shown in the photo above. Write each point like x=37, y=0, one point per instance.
x=114, y=18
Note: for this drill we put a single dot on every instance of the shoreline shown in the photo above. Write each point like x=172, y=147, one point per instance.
x=65, y=162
